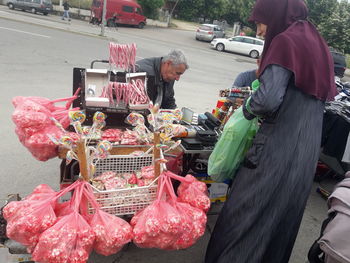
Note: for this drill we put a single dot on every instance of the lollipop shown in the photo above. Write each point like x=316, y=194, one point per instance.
x=103, y=148
x=66, y=141
x=77, y=116
x=70, y=156
x=135, y=119
x=178, y=114
x=86, y=130
x=99, y=116
x=168, y=117
x=53, y=139
x=77, y=127
x=100, y=125
x=58, y=124
x=150, y=119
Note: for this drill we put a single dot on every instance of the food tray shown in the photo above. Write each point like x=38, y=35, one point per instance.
x=127, y=201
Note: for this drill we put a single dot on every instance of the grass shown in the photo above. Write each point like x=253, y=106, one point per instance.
x=348, y=60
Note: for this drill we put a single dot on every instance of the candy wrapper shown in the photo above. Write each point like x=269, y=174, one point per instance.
x=112, y=135
x=147, y=172
x=129, y=138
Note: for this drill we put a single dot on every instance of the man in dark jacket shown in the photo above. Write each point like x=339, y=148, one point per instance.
x=66, y=10
x=162, y=73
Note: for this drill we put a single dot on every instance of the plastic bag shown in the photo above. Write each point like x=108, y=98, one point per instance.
x=32, y=117
x=159, y=225
x=192, y=191
x=46, y=103
x=111, y=232
x=168, y=223
x=41, y=146
x=229, y=151
x=70, y=239
x=29, y=218
x=25, y=119
x=193, y=221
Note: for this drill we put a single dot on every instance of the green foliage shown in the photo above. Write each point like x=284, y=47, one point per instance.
x=150, y=7
x=320, y=10
x=230, y=10
x=336, y=29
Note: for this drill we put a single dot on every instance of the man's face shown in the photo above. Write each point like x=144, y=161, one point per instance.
x=171, y=72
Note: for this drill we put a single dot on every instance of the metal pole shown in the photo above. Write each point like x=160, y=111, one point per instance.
x=103, y=18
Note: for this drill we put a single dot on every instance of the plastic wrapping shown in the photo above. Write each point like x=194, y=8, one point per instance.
x=70, y=239
x=111, y=232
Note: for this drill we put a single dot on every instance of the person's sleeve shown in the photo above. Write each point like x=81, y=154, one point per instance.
x=239, y=81
x=169, y=98
x=267, y=99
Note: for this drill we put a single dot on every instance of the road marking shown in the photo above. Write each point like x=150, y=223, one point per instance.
x=24, y=32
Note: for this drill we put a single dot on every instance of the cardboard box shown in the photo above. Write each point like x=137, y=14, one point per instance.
x=217, y=191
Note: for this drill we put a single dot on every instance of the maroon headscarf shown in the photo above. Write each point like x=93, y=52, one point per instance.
x=294, y=43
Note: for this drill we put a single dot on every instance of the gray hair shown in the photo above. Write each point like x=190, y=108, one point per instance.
x=177, y=57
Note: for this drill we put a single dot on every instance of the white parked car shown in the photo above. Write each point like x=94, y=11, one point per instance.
x=240, y=44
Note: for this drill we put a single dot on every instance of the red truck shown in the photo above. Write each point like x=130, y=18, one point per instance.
x=123, y=12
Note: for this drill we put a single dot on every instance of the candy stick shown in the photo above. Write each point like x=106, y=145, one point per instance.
x=156, y=154
x=82, y=158
x=58, y=124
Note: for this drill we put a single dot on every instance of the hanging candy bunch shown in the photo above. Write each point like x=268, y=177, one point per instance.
x=193, y=192
x=70, y=239
x=133, y=93
x=111, y=232
x=29, y=218
x=168, y=223
x=67, y=234
x=122, y=56
x=32, y=117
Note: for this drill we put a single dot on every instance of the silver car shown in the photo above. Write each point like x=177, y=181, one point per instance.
x=34, y=6
x=208, y=32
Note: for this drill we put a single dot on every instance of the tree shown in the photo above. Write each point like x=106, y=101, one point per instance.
x=150, y=7
x=336, y=30
x=190, y=10
x=320, y=10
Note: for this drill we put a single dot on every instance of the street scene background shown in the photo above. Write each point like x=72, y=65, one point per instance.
x=37, y=57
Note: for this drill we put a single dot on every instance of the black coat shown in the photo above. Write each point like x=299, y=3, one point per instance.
x=66, y=6
x=158, y=90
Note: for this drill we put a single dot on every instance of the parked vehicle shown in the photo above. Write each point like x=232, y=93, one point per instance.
x=123, y=12
x=339, y=63
x=240, y=44
x=34, y=6
x=208, y=32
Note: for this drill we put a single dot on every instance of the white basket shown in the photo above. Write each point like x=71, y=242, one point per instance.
x=124, y=201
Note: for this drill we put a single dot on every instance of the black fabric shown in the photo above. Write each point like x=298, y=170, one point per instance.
x=66, y=6
x=260, y=219
x=335, y=133
x=158, y=90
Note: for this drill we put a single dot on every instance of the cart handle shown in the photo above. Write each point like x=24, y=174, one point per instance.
x=98, y=60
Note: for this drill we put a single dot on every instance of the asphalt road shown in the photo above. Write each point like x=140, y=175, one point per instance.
x=37, y=56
